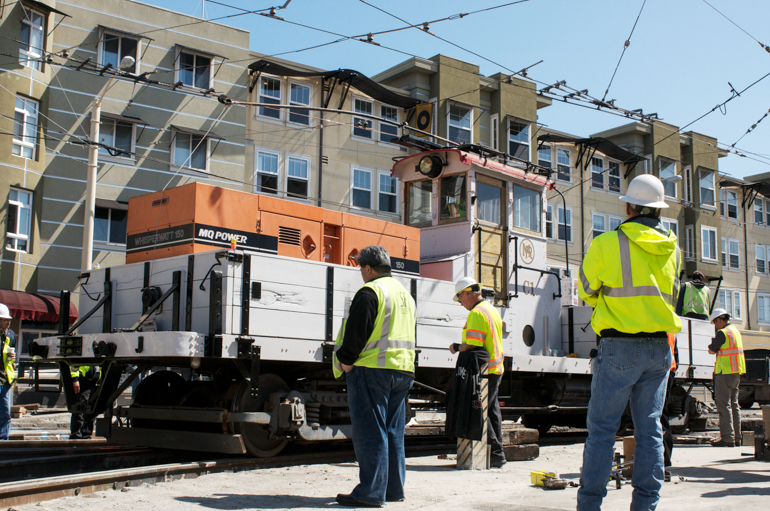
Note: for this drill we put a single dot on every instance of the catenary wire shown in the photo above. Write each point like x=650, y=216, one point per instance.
x=625, y=47
x=766, y=48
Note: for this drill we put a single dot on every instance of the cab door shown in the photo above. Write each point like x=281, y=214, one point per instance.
x=492, y=238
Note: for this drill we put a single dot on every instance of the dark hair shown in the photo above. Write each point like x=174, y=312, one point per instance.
x=376, y=257
x=645, y=210
x=697, y=275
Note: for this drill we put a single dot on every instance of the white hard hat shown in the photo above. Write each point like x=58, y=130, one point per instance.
x=463, y=284
x=717, y=313
x=645, y=190
x=4, y=312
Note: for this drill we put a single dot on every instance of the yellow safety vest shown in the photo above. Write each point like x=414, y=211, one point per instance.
x=10, y=372
x=392, y=342
x=631, y=278
x=730, y=358
x=696, y=300
x=484, y=327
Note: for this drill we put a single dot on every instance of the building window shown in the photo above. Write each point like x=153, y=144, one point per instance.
x=671, y=225
x=266, y=179
x=297, y=177
x=549, y=221
x=613, y=176
x=460, y=124
x=19, y=221
x=709, y=243
x=731, y=302
x=666, y=170
x=118, y=135
x=298, y=95
x=388, y=131
x=110, y=225
x=763, y=308
x=563, y=170
x=115, y=47
x=25, y=128
x=190, y=151
x=689, y=242
x=361, y=192
x=767, y=211
x=194, y=70
x=453, y=198
x=735, y=256
x=544, y=157
x=688, y=183
x=526, y=209
x=31, y=39
x=493, y=121
x=387, y=200
x=518, y=139
x=759, y=256
x=362, y=127
x=600, y=225
x=759, y=212
x=270, y=93
x=728, y=204
x=707, y=195
x=724, y=252
x=597, y=173
x=419, y=203
x=615, y=222
x=564, y=231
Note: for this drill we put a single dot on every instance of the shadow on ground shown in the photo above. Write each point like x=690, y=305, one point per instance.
x=234, y=501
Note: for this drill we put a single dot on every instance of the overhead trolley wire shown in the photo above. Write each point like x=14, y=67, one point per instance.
x=766, y=48
x=625, y=47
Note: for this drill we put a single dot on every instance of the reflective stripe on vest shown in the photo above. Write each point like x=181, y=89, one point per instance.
x=730, y=357
x=586, y=286
x=385, y=342
x=695, y=300
x=496, y=354
x=629, y=290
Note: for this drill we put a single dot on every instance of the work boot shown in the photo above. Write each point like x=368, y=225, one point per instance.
x=722, y=443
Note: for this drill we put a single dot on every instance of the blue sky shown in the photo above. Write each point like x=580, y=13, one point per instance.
x=681, y=56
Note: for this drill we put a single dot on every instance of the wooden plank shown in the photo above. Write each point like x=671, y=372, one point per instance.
x=520, y=436
x=521, y=452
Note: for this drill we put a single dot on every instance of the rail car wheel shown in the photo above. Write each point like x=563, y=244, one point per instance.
x=256, y=437
x=163, y=388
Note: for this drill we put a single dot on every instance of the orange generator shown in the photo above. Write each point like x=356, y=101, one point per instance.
x=197, y=217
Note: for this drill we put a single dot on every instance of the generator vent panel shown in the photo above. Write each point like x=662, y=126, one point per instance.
x=289, y=236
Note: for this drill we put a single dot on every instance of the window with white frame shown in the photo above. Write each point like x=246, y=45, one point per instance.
x=759, y=211
x=671, y=225
x=494, y=135
x=190, y=151
x=25, y=128
x=544, y=157
x=19, y=222
x=518, y=139
x=387, y=193
x=270, y=93
x=767, y=211
x=110, y=225
x=563, y=169
x=194, y=69
x=600, y=224
x=526, y=209
x=763, y=308
x=707, y=194
x=708, y=243
x=564, y=222
x=361, y=191
x=297, y=177
x=266, y=173
x=689, y=242
x=114, y=47
x=362, y=126
x=31, y=39
x=728, y=203
x=667, y=170
x=615, y=222
x=460, y=122
x=549, y=221
x=734, y=258
x=760, y=260
x=613, y=176
x=597, y=173
x=724, y=252
x=388, y=131
x=299, y=95
x=730, y=301
x=688, y=183
x=118, y=135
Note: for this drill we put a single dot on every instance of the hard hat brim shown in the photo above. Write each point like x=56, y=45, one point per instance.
x=656, y=205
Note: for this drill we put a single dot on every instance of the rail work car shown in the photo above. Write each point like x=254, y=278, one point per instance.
x=225, y=314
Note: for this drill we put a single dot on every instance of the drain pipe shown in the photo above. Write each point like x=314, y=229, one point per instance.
x=745, y=258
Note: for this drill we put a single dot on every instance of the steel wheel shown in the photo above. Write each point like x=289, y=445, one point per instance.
x=256, y=437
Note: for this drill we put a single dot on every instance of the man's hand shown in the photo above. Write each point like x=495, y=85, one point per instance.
x=712, y=352
x=347, y=368
x=76, y=386
x=452, y=349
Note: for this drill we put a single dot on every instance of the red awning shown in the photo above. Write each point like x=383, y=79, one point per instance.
x=34, y=306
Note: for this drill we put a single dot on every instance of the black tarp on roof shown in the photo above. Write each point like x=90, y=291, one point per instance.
x=354, y=78
x=601, y=144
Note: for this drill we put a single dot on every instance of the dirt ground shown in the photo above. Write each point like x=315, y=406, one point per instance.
x=715, y=478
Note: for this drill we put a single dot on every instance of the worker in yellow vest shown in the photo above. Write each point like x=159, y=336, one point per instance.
x=7, y=370
x=84, y=381
x=631, y=278
x=375, y=350
x=694, y=298
x=484, y=329
x=730, y=365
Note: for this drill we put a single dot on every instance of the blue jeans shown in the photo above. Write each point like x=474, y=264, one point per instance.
x=377, y=401
x=5, y=411
x=635, y=369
